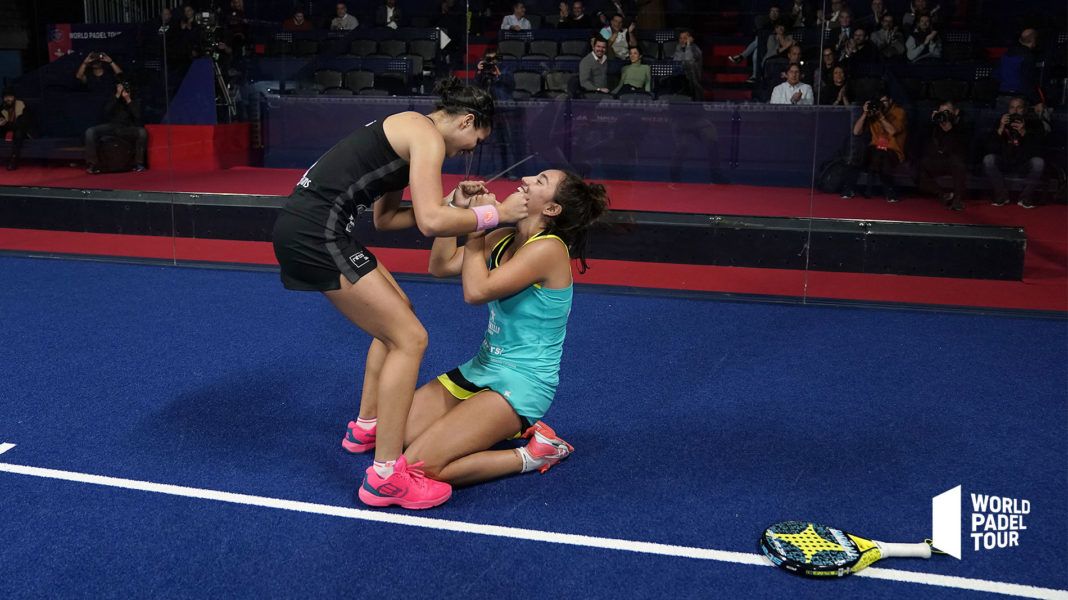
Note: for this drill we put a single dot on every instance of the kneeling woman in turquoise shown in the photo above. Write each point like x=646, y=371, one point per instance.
x=523, y=274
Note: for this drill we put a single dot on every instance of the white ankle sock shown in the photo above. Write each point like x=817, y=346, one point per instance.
x=366, y=424
x=384, y=468
x=529, y=462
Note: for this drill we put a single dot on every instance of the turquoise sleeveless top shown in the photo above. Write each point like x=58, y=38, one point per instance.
x=520, y=353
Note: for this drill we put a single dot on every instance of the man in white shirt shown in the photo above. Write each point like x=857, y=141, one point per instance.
x=343, y=21
x=517, y=21
x=619, y=39
x=792, y=91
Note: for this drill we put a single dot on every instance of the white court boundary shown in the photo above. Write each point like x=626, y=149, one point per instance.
x=949, y=581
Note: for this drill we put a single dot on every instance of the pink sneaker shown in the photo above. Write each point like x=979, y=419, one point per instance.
x=407, y=487
x=544, y=445
x=357, y=439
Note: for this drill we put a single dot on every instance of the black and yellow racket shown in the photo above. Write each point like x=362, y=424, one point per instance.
x=815, y=550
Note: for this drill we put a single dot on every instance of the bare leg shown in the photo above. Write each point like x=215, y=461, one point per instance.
x=455, y=447
x=482, y=466
x=374, y=305
x=376, y=354
x=432, y=402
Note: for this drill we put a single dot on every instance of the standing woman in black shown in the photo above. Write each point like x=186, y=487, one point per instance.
x=316, y=251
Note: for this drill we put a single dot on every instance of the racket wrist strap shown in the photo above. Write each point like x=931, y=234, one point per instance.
x=487, y=217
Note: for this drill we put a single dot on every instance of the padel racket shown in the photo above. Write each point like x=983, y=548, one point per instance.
x=815, y=550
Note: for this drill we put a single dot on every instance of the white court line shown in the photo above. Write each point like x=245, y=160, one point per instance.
x=979, y=585
x=5, y=447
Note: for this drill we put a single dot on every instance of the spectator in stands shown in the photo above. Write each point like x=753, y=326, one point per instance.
x=946, y=154
x=188, y=22
x=577, y=18
x=792, y=91
x=801, y=14
x=636, y=77
x=343, y=21
x=687, y=53
x=872, y=20
x=889, y=41
x=1017, y=70
x=765, y=26
x=122, y=119
x=829, y=18
x=858, y=51
x=794, y=57
x=166, y=19
x=235, y=26
x=924, y=43
x=517, y=21
x=886, y=122
x=919, y=9
x=593, y=69
x=620, y=39
x=616, y=7
x=767, y=23
x=779, y=42
x=828, y=61
x=452, y=21
x=297, y=22
x=843, y=33
x=835, y=91
x=188, y=32
x=93, y=72
x=1015, y=147
x=14, y=120
x=389, y=15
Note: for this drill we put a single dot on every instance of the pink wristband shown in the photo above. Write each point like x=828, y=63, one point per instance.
x=487, y=216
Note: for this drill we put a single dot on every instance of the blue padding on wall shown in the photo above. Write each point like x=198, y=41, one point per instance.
x=194, y=104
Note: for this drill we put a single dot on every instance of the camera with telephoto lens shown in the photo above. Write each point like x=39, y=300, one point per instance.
x=942, y=116
x=208, y=43
x=874, y=108
x=1010, y=130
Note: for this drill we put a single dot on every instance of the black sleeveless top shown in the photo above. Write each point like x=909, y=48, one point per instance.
x=348, y=179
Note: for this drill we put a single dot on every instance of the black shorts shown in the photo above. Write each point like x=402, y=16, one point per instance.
x=310, y=262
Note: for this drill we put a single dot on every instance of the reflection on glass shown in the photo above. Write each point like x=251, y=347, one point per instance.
x=699, y=110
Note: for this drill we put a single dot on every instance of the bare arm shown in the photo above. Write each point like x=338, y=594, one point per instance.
x=447, y=258
x=80, y=74
x=858, y=127
x=531, y=264
x=434, y=219
x=389, y=216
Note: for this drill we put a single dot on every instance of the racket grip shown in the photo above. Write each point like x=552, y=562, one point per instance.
x=917, y=550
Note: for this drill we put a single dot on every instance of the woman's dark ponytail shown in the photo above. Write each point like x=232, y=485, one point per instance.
x=582, y=203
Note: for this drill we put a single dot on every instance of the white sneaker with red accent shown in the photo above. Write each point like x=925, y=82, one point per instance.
x=545, y=447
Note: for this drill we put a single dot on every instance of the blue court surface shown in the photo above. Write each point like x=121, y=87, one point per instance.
x=176, y=434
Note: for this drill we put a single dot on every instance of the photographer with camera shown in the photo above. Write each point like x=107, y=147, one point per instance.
x=93, y=72
x=123, y=120
x=497, y=79
x=945, y=154
x=1015, y=147
x=886, y=123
